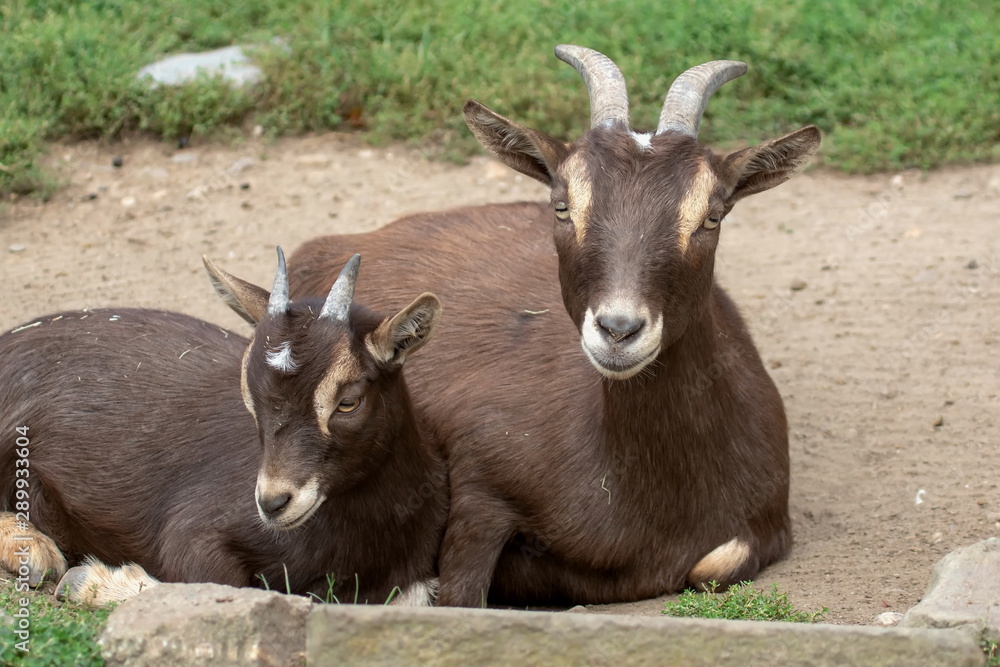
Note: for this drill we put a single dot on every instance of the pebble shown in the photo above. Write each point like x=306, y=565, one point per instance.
x=939, y=422
x=241, y=165
x=128, y=202
x=798, y=285
x=90, y=196
x=182, y=158
x=244, y=186
x=18, y=247
x=117, y=162
x=973, y=264
x=366, y=154
x=888, y=619
x=313, y=160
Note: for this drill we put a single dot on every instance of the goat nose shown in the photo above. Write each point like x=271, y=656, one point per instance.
x=272, y=505
x=619, y=327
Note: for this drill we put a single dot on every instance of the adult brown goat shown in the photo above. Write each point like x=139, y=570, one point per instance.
x=132, y=430
x=671, y=467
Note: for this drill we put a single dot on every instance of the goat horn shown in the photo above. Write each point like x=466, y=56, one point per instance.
x=604, y=81
x=688, y=96
x=338, y=303
x=278, y=303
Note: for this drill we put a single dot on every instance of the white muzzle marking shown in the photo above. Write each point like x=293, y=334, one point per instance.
x=303, y=504
x=621, y=360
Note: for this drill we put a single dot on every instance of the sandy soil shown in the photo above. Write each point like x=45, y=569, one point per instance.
x=875, y=302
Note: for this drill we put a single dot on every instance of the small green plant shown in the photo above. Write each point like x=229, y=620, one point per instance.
x=992, y=650
x=58, y=635
x=742, y=602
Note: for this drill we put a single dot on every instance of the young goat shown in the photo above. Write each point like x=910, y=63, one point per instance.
x=668, y=469
x=136, y=445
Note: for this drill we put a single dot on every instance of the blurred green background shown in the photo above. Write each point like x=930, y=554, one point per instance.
x=905, y=83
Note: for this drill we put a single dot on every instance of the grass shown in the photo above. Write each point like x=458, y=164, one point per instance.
x=904, y=83
x=742, y=602
x=59, y=635
x=992, y=651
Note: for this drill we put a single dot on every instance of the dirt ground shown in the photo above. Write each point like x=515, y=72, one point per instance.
x=875, y=302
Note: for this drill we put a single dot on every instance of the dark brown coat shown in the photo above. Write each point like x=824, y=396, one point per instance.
x=670, y=466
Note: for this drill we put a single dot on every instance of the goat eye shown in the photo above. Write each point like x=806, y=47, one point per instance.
x=349, y=405
x=562, y=210
x=712, y=221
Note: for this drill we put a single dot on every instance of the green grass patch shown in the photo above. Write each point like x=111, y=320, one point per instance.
x=903, y=83
x=59, y=635
x=992, y=651
x=742, y=602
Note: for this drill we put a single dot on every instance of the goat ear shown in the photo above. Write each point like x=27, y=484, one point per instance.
x=771, y=163
x=530, y=152
x=248, y=300
x=399, y=336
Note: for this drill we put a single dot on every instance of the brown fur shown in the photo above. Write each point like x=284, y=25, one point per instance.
x=567, y=486
x=142, y=451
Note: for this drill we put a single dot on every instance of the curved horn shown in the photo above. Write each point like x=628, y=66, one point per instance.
x=338, y=303
x=278, y=303
x=689, y=94
x=604, y=81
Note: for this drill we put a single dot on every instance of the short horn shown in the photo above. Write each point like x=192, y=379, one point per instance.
x=338, y=303
x=278, y=303
x=688, y=96
x=604, y=81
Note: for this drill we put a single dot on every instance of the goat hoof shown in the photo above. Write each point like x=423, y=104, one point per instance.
x=69, y=587
x=95, y=584
x=24, y=546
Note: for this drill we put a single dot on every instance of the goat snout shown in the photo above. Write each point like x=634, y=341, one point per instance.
x=618, y=327
x=283, y=504
x=273, y=505
x=621, y=341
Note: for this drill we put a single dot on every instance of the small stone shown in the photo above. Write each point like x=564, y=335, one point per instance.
x=197, y=193
x=964, y=194
x=183, y=158
x=117, y=162
x=183, y=142
x=159, y=194
x=578, y=609
x=128, y=202
x=973, y=264
x=798, y=285
x=939, y=422
x=244, y=186
x=90, y=196
x=888, y=619
x=258, y=130
x=313, y=160
x=241, y=165
x=18, y=247
x=776, y=364
x=366, y=154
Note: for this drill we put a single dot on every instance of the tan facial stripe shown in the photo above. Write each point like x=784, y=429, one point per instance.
x=244, y=387
x=579, y=189
x=694, y=206
x=345, y=369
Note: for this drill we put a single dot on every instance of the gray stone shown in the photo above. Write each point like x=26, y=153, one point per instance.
x=231, y=63
x=206, y=624
x=345, y=635
x=888, y=619
x=964, y=591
